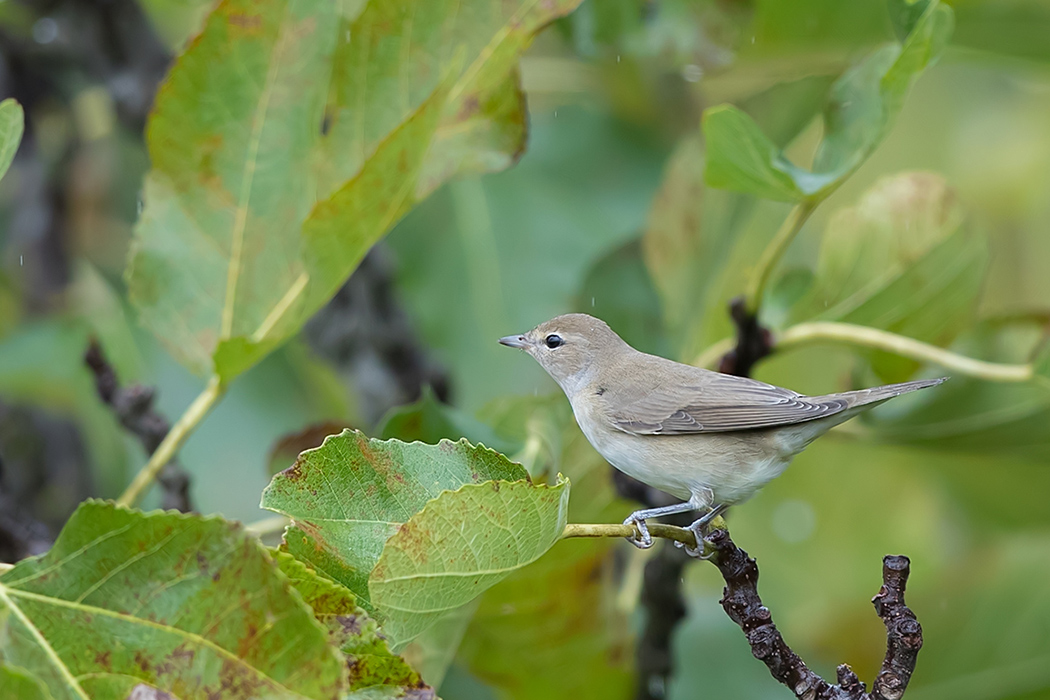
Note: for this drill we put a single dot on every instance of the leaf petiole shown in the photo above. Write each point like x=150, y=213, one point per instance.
x=172, y=441
x=767, y=263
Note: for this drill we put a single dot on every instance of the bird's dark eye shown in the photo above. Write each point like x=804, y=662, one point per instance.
x=554, y=341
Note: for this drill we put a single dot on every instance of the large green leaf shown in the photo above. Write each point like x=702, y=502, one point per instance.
x=350, y=495
x=291, y=135
x=903, y=261
x=188, y=604
x=12, y=123
x=861, y=108
x=740, y=157
x=462, y=543
x=375, y=671
x=18, y=684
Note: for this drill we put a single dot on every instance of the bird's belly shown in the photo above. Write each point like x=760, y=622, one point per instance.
x=732, y=467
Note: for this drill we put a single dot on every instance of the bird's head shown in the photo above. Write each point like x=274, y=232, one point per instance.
x=568, y=346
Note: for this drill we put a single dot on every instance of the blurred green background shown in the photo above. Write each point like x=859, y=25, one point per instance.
x=613, y=90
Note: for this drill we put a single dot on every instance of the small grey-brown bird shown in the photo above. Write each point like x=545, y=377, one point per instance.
x=708, y=438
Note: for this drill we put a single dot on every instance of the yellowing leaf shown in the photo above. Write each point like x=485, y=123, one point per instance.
x=291, y=135
x=374, y=669
x=190, y=605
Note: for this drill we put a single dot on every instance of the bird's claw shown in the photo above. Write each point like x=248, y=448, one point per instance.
x=698, y=528
x=641, y=539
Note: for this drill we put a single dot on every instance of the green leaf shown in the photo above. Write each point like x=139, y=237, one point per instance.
x=865, y=102
x=903, y=261
x=905, y=14
x=371, y=663
x=429, y=420
x=462, y=543
x=861, y=108
x=487, y=134
x=19, y=684
x=12, y=123
x=293, y=134
x=350, y=495
x=740, y=157
x=784, y=110
x=189, y=604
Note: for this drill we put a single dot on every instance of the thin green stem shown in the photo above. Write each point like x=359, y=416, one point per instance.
x=862, y=336
x=172, y=441
x=767, y=263
x=710, y=357
x=268, y=526
x=669, y=532
x=851, y=334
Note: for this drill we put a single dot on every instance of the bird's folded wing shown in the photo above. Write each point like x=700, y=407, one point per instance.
x=717, y=403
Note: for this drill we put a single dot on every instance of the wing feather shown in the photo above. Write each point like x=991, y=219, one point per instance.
x=696, y=401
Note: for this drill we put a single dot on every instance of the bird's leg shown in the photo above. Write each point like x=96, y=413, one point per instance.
x=698, y=528
x=643, y=540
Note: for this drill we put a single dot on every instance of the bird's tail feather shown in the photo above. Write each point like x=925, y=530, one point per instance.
x=878, y=394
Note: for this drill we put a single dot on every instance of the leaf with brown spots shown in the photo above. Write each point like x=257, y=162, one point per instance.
x=189, y=605
x=292, y=134
x=351, y=494
x=463, y=543
x=371, y=664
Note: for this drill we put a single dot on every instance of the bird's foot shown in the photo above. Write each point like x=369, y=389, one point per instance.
x=699, y=529
x=697, y=552
x=641, y=539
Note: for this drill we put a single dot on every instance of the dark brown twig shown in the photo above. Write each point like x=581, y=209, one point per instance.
x=744, y=606
x=133, y=406
x=753, y=341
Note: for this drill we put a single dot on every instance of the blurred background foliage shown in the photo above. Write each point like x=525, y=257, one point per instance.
x=588, y=221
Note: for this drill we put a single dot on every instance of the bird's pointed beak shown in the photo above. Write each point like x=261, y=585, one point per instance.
x=514, y=341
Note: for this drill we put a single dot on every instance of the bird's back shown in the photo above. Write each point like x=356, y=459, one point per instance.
x=656, y=396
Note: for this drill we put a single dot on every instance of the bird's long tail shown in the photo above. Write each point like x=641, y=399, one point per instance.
x=878, y=394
